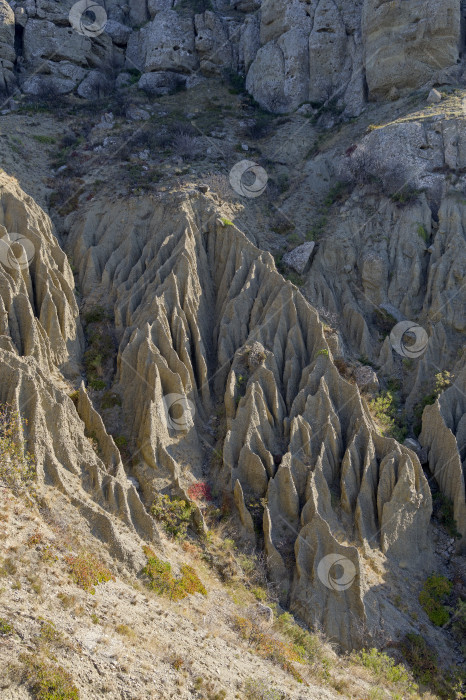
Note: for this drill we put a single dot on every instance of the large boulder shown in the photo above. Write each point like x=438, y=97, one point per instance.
x=169, y=43
x=329, y=59
x=45, y=40
x=214, y=43
x=279, y=76
x=406, y=43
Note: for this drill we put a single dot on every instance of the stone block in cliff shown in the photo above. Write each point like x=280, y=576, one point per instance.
x=279, y=76
x=406, y=43
x=444, y=436
x=169, y=43
x=329, y=60
x=44, y=40
x=7, y=51
x=278, y=17
x=215, y=43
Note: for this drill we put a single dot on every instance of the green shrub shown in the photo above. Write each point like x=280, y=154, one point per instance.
x=42, y=138
x=173, y=513
x=309, y=645
x=109, y=400
x=87, y=571
x=421, y=658
x=160, y=578
x=17, y=466
x=459, y=622
x=269, y=646
x=421, y=231
x=294, y=278
x=96, y=315
x=5, y=627
x=97, y=384
x=49, y=681
x=432, y=596
x=443, y=511
x=385, y=411
x=383, y=666
x=120, y=441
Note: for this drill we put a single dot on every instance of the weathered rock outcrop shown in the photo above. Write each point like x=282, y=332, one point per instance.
x=406, y=44
x=297, y=433
x=444, y=435
x=290, y=52
x=7, y=51
x=41, y=341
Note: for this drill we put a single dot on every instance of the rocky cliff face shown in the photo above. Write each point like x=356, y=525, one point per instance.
x=289, y=52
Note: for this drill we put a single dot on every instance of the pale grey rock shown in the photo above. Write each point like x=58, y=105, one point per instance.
x=279, y=77
x=278, y=17
x=135, y=55
x=366, y=379
x=7, y=52
x=214, y=43
x=21, y=16
x=169, y=43
x=155, y=6
x=249, y=43
x=43, y=39
x=434, y=97
x=47, y=86
x=407, y=42
x=329, y=60
x=300, y=257
x=444, y=436
x=118, y=33
x=415, y=446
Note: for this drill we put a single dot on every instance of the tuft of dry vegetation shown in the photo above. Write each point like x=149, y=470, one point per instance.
x=17, y=466
x=160, y=578
x=87, y=570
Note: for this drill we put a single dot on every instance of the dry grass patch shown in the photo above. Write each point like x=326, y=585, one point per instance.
x=87, y=570
x=160, y=578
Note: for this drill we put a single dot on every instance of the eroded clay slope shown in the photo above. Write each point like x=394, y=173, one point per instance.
x=201, y=312
x=41, y=345
x=444, y=434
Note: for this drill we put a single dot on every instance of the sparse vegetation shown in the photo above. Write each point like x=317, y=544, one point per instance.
x=160, y=578
x=87, y=570
x=257, y=689
x=383, y=666
x=173, y=513
x=442, y=381
x=17, y=465
x=109, y=400
x=99, y=354
x=270, y=646
x=48, y=681
x=436, y=589
x=444, y=512
x=385, y=410
x=43, y=139
x=422, y=232
x=5, y=627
